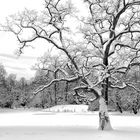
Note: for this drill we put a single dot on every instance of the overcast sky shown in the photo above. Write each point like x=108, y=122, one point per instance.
x=8, y=43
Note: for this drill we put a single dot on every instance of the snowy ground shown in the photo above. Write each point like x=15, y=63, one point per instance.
x=42, y=125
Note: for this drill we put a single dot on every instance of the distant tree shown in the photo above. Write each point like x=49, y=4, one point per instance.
x=11, y=81
x=2, y=75
x=51, y=67
x=22, y=83
x=7, y=83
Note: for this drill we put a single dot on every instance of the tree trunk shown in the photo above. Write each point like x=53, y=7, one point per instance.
x=55, y=89
x=66, y=92
x=105, y=90
x=119, y=107
x=104, y=121
x=55, y=94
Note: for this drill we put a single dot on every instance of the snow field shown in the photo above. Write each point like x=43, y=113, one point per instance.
x=42, y=125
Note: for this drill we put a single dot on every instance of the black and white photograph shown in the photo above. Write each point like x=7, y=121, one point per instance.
x=69, y=70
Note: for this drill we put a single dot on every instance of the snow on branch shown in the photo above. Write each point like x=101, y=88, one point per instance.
x=86, y=89
x=59, y=69
x=55, y=81
x=124, y=69
x=132, y=86
x=125, y=85
x=126, y=32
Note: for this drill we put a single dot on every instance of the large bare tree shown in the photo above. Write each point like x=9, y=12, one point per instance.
x=113, y=29
x=111, y=33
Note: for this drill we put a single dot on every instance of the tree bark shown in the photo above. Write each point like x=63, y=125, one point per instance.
x=106, y=81
x=104, y=120
x=66, y=91
x=55, y=89
x=105, y=90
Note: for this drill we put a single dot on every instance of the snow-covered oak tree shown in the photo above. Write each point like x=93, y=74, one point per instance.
x=113, y=29
x=110, y=46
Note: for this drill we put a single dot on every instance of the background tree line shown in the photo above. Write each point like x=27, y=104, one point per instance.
x=19, y=93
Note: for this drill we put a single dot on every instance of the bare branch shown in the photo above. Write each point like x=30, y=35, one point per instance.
x=87, y=89
x=125, y=85
x=57, y=80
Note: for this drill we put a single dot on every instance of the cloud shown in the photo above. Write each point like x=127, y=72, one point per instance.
x=16, y=57
x=15, y=68
x=21, y=66
x=7, y=55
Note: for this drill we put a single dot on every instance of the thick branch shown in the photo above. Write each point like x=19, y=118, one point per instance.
x=87, y=89
x=55, y=81
x=125, y=85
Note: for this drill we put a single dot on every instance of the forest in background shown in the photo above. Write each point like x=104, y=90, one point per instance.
x=21, y=93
